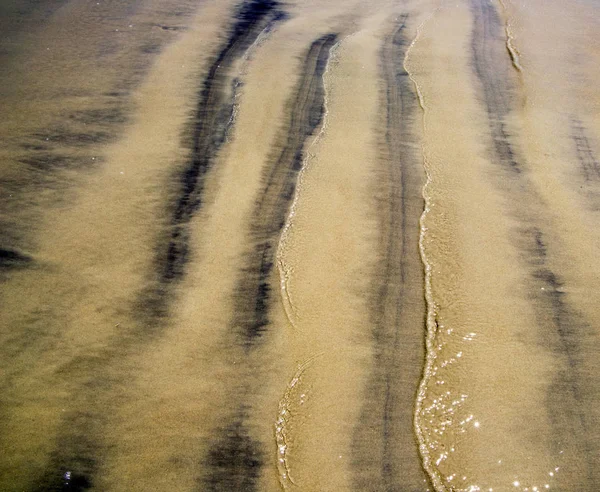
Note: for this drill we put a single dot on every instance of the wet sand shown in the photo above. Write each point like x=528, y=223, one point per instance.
x=316, y=246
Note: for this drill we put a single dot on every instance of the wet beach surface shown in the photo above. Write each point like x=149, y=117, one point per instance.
x=259, y=245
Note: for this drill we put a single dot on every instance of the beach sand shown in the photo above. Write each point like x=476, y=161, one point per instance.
x=309, y=245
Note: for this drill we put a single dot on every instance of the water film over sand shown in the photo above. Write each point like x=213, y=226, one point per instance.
x=256, y=245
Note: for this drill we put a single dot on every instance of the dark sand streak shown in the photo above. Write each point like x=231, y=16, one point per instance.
x=77, y=120
x=99, y=378
x=10, y=259
x=210, y=125
x=252, y=293
x=385, y=451
x=585, y=155
x=588, y=162
x=562, y=329
x=73, y=143
x=87, y=120
x=234, y=459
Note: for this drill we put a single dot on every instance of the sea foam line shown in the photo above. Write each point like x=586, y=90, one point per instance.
x=285, y=270
x=512, y=50
x=282, y=424
x=431, y=353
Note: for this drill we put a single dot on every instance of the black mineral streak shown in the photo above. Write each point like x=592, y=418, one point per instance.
x=75, y=462
x=74, y=478
x=10, y=259
x=234, y=461
x=487, y=45
x=589, y=165
x=385, y=452
x=253, y=290
x=564, y=332
x=72, y=135
x=210, y=125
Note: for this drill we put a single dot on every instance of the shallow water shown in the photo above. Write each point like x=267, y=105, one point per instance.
x=321, y=246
